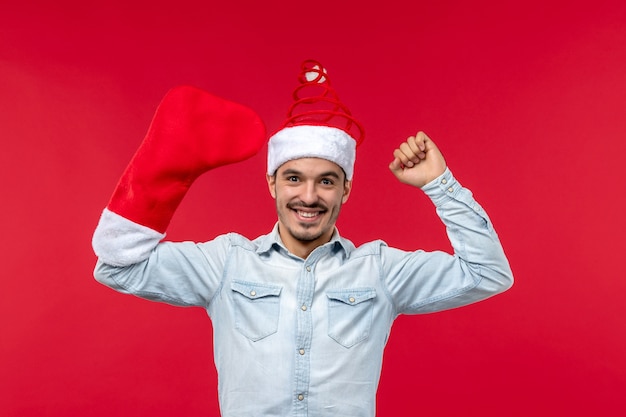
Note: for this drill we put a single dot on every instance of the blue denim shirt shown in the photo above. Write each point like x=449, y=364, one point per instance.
x=305, y=337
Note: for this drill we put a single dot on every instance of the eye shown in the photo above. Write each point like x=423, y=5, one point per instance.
x=327, y=181
x=292, y=178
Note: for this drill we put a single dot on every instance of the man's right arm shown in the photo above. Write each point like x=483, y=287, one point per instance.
x=132, y=261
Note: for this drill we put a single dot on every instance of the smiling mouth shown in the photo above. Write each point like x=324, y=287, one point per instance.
x=308, y=214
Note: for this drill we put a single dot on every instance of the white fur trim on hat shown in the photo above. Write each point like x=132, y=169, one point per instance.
x=310, y=141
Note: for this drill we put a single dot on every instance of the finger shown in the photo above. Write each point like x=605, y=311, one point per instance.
x=405, y=148
x=402, y=155
x=420, y=140
x=412, y=151
x=429, y=144
x=413, y=143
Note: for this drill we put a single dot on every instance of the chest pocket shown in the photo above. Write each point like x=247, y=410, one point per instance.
x=350, y=315
x=257, y=308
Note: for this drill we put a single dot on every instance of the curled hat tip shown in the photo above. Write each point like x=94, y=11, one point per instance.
x=312, y=72
x=315, y=74
x=317, y=103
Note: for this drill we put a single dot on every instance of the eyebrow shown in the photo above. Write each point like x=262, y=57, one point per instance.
x=291, y=171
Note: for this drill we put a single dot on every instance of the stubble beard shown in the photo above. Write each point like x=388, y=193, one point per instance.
x=307, y=235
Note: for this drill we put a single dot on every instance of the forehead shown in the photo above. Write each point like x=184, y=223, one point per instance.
x=311, y=167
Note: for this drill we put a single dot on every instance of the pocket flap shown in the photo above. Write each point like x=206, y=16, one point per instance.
x=254, y=290
x=352, y=296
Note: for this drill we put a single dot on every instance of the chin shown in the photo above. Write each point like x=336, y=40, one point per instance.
x=306, y=234
x=306, y=237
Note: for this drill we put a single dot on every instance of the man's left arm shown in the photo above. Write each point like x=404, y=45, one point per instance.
x=422, y=282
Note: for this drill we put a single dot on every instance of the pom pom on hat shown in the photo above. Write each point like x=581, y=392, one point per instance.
x=318, y=125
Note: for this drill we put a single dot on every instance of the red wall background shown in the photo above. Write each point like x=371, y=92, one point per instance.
x=527, y=100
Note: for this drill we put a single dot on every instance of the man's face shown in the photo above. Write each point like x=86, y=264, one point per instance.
x=309, y=193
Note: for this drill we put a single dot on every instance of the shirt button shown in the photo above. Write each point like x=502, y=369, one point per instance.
x=351, y=299
x=444, y=181
x=300, y=397
x=308, y=269
x=450, y=189
x=253, y=293
x=301, y=351
x=303, y=307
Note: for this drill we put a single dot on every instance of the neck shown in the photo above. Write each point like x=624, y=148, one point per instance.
x=301, y=248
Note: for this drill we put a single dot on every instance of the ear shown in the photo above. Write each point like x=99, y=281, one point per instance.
x=271, y=184
x=347, y=188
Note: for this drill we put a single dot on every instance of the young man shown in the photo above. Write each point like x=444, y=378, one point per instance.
x=300, y=316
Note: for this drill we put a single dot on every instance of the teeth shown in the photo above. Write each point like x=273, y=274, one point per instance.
x=307, y=214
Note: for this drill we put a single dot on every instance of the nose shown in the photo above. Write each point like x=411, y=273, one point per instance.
x=309, y=193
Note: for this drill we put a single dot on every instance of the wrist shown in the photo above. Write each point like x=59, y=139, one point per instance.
x=442, y=187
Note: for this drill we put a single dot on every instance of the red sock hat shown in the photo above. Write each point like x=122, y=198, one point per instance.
x=318, y=125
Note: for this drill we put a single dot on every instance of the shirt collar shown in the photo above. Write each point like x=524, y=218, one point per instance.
x=273, y=241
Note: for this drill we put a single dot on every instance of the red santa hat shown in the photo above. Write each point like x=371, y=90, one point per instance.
x=318, y=125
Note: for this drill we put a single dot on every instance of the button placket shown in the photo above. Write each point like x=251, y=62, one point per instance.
x=305, y=291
